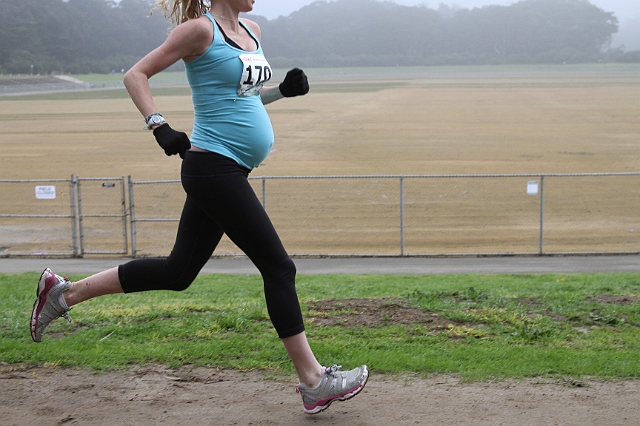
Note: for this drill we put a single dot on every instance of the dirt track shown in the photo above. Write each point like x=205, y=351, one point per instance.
x=154, y=395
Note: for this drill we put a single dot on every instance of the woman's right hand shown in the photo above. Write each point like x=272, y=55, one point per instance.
x=171, y=141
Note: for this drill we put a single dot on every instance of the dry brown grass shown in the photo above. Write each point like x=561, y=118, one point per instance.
x=440, y=124
x=469, y=123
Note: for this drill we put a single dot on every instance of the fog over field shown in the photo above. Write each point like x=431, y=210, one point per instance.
x=627, y=12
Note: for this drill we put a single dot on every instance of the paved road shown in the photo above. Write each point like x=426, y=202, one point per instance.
x=384, y=265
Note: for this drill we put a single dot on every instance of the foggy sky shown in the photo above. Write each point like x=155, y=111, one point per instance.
x=627, y=12
x=624, y=9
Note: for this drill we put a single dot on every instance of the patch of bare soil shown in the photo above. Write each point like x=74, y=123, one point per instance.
x=616, y=299
x=155, y=395
x=372, y=313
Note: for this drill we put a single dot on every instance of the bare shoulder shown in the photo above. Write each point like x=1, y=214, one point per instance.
x=193, y=37
x=255, y=28
x=196, y=28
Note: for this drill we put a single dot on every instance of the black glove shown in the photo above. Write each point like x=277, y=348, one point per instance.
x=172, y=141
x=295, y=83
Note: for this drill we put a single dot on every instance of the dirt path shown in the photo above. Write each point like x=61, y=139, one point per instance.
x=155, y=395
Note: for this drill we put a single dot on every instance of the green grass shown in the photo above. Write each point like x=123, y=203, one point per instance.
x=499, y=326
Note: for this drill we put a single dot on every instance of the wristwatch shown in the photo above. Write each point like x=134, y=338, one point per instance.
x=154, y=119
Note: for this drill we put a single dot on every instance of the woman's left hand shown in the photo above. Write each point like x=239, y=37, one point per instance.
x=295, y=83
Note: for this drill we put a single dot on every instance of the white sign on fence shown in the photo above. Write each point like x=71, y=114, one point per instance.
x=46, y=192
x=532, y=187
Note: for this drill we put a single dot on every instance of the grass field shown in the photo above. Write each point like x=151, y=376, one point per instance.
x=358, y=121
x=476, y=327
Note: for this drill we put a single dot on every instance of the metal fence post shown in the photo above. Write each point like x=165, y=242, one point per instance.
x=74, y=216
x=124, y=216
x=80, y=225
x=541, y=214
x=264, y=192
x=401, y=216
x=132, y=218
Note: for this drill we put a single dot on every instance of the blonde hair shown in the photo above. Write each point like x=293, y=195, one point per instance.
x=179, y=11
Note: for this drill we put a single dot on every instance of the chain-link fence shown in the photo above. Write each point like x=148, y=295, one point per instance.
x=38, y=217
x=404, y=215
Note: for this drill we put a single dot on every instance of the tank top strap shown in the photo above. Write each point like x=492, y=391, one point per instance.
x=216, y=30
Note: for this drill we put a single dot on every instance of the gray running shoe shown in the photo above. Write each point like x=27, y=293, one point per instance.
x=334, y=385
x=49, y=303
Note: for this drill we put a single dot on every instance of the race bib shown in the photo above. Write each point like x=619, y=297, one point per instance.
x=255, y=72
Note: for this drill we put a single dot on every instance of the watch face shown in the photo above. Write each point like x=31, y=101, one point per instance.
x=156, y=119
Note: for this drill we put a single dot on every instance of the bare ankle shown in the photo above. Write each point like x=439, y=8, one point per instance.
x=313, y=380
x=68, y=296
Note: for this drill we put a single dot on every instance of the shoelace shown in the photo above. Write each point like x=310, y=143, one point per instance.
x=333, y=371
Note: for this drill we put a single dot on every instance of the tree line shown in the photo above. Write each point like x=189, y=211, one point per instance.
x=76, y=36
x=81, y=36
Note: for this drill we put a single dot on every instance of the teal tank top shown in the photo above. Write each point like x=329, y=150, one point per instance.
x=229, y=117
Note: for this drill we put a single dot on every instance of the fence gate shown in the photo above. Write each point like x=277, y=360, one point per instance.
x=102, y=216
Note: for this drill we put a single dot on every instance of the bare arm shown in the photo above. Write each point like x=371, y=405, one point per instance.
x=270, y=94
x=187, y=41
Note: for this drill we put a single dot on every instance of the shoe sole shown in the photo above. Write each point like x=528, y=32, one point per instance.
x=344, y=397
x=41, y=298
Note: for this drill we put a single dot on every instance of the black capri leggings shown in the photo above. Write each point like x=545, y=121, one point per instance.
x=220, y=200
